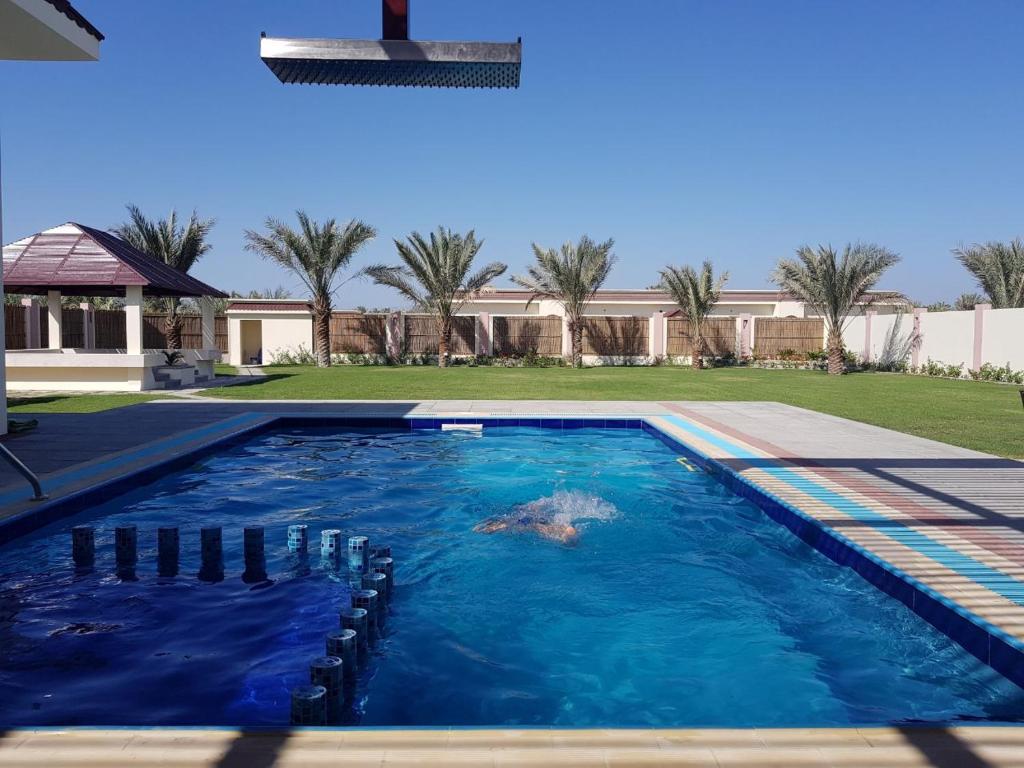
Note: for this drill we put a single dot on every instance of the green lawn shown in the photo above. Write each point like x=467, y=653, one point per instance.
x=983, y=416
x=223, y=369
x=66, y=403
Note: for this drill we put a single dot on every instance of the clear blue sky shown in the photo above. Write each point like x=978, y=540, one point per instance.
x=723, y=129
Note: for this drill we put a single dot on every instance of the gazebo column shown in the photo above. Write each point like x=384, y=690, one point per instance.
x=209, y=323
x=55, y=319
x=133, y=319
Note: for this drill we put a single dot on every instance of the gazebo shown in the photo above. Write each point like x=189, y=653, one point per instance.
x=74, y=259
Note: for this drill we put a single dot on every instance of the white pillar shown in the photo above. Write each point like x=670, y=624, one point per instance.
x=133, y=319
x=234, y=341
x=209, y=323
x=54, y=316
x=88, y=325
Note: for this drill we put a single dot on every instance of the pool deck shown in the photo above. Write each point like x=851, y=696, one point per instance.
x=970, y=747
x=947, y=519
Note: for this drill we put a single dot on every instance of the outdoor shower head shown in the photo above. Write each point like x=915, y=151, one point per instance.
x=394, y=60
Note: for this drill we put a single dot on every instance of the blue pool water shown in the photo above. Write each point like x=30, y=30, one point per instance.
x=679, y=605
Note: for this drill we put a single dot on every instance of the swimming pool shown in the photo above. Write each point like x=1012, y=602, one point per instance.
x=680, y=604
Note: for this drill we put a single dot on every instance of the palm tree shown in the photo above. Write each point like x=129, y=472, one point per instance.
x=833, y=286
x=177, y=246
x=999, y=270
x=696, y=294
x=968, y=301
x=571, y=277
x=316, y=253
x=434, y=276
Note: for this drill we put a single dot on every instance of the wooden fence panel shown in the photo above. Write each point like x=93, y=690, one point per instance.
x=616, y=336
x=773, y=335
x=110, y=329
x=14, y=327
x=72, y=328
x=719, y=337
x=154, y=335
x=421, y=337
x=527, y=335
x=352, y=332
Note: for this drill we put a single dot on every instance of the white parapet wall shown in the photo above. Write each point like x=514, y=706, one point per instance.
x=80, y=370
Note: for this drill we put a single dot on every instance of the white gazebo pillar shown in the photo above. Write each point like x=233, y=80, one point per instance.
x=209, y=323
x=54, y=319
x=133, y=319
x=88, y=325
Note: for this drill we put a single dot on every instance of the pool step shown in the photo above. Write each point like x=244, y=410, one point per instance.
x=462, y=427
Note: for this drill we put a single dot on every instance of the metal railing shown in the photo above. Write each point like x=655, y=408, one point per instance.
x=25, y=472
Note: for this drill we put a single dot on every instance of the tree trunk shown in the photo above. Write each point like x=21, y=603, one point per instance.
x=836, y=363
x=576, y=333
x=322, y=333
x=172, y=330
x=444, y=343
x=697, y=356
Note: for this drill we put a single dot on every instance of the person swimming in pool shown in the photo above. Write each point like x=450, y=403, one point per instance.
x=519, y=523
x=551, y=517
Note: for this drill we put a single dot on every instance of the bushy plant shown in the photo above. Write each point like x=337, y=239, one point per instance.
x=172, y=357
x=300, y=355
x=1004, y=374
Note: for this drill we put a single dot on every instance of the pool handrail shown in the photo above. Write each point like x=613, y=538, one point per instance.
x=24, y=471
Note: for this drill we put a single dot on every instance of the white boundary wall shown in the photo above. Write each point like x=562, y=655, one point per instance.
x=971, y=337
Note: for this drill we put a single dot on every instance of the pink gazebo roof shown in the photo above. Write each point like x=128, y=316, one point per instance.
x=81, y=260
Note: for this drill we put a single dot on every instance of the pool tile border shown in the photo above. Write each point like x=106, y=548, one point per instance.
x=992, y=645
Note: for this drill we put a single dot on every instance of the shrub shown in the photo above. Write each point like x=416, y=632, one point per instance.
x=300, y=355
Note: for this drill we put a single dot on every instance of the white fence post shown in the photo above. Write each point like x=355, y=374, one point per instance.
x=393, y=335
x=657, y=334
x=483, y=334
x=868, y=317
x=979, y=334
x=746, y=326
x=915, y=352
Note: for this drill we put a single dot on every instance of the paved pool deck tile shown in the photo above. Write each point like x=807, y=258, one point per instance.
x=947, y=519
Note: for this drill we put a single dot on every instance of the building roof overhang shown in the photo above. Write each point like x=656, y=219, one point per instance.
x=46, y=30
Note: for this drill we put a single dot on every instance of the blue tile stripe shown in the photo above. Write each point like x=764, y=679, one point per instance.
x=966, y=566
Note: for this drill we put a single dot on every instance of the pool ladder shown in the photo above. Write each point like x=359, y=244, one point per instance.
x=25, y=472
